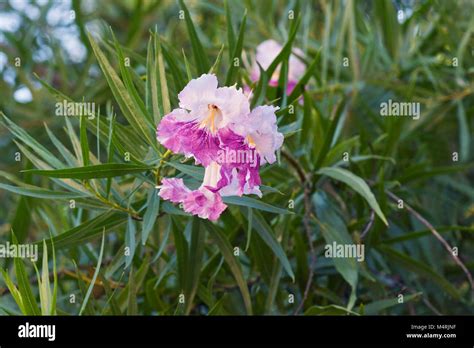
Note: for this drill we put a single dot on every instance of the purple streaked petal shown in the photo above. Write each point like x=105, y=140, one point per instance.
x=241, y=171
x=234, y=187
x=188, y=138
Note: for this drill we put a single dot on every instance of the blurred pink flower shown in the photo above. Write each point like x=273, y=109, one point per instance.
x=267, y=51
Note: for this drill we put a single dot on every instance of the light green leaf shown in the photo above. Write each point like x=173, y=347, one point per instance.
x=123, y=97
x=94, y=277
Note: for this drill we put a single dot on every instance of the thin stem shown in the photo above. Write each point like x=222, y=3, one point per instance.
x=160, y=165
x=438, y=236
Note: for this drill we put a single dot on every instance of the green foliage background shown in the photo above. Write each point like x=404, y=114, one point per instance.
x=311, y=197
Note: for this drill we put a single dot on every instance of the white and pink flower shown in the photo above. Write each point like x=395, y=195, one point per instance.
x=212, y=120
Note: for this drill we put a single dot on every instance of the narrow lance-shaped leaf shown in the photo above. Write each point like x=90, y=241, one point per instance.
x=94, y=277
x=357, y=184
x=226, y=250
x=128, y=107
x=236, y=55
x=200, y=55
x=196, y=252
x=93, y=172
x=265, y=232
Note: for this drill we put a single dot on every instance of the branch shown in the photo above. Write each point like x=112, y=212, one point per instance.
x=438, y=237
x=306, y=182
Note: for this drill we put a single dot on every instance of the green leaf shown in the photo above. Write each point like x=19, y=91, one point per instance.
x=128, y=82
x=14, y=291
x=254, y=203
x=215, y=67
x=108, y=170
x=237, y=52
x=230, y=30
x=130, y=241
x=46, y=297
x=123, y=97
x=67, y=155
x=387, y=16
x=24, y=137
x=159, y=81
x=94, y=277
x=164, y=242
x=299, y=88
x=200, y=56
x=182, y=253
x=329, y=310
x=132, y=307
x=226, y=250
x=193, y=171
x=37, y=192
x=151, y=213
x=375, y=308
x=89, y=230
x=172, y=61
x=329, y=136
x=424, y=173
x=196, y=252
x=84, y=142
x=420, y=268
x=268, y=236
x=28, y=299
x=259, y=94
x=333, y=230
x=357, y=184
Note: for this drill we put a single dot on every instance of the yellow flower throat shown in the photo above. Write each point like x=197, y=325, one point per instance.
x=210, y=121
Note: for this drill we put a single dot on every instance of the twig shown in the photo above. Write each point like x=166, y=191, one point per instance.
x=133, y=214
x=294, y=163
x=160, y=165
x=369, y=225
x=438, y=236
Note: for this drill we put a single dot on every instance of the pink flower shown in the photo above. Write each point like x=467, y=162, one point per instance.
x=215, y=126
x=193, y=129
x=267, y=51
x=202, y=202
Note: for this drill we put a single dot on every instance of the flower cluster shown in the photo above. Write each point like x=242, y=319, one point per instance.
x=216, y=127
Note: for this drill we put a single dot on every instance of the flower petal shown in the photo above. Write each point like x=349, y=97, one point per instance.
x=204, y=203
x=233, y=104
x=264, y=132
x=188, y=138
x=173, y=189
x=198, y=93
x=239, y=165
